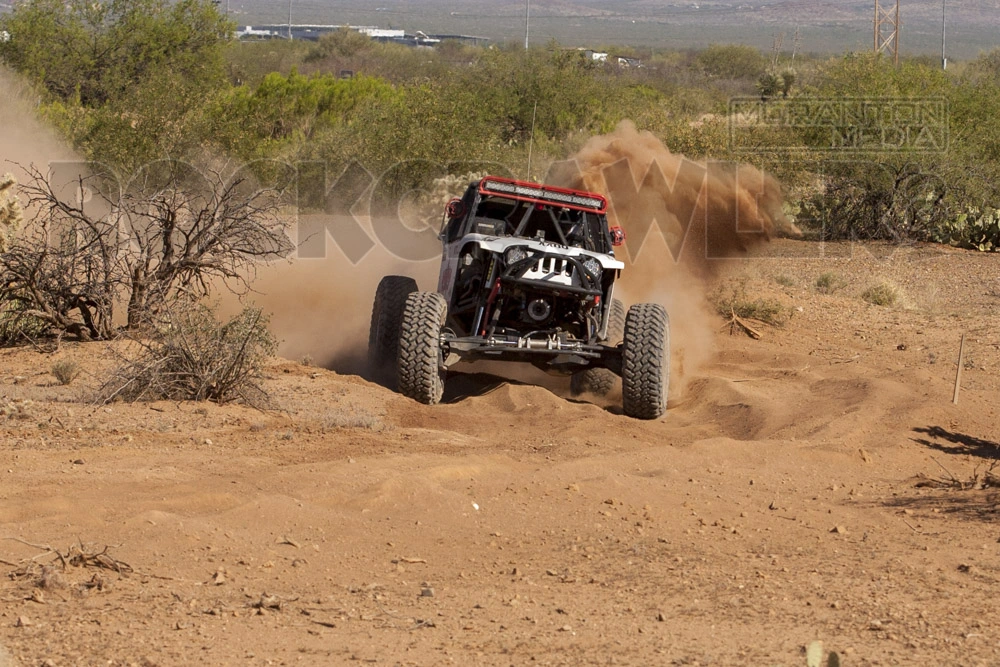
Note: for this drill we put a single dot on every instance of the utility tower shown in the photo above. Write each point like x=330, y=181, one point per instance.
x=887, y=28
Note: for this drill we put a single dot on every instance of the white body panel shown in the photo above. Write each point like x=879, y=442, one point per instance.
x=549, y=270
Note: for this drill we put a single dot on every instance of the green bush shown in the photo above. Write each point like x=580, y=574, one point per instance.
x=828, y=283
x=881, y=294
x=283, y=114
x=97, y=52
x=732, y=61
x=65, y=371
x=344, y=42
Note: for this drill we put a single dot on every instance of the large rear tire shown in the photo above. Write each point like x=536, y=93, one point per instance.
x=646, y=361
x=383, y=335
x=421, y=367
x=600, y=381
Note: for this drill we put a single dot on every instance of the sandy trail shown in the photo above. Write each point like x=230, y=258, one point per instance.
x=776, y=504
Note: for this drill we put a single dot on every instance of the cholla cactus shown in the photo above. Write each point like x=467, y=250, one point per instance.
x=10, y=210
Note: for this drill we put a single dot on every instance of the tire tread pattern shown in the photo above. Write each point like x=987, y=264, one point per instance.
x=383, y=333
x=421, y=376
x=646, y=361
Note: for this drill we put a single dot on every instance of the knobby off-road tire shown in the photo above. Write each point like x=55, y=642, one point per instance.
x=421, y=371
x=383, y=335
x=646, y=361
x=600, y=381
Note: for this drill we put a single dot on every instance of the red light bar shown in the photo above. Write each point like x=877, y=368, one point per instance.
x=537, y=193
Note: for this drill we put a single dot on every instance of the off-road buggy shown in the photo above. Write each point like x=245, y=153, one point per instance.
x=527, y=274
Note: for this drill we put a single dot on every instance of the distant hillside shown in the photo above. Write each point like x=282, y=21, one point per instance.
x=973, y=25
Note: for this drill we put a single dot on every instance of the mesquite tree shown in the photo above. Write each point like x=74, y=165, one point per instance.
x=172, y=231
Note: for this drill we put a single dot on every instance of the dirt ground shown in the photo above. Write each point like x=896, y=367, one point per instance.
x=817, y=484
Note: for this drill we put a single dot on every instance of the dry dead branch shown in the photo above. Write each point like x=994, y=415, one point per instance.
x=173, y=232
x=736, y=322
x=77, y=555
x=982, y=478
x=196, y=357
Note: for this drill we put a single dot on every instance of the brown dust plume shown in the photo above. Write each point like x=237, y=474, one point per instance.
x=24, y=140
x=683, y=219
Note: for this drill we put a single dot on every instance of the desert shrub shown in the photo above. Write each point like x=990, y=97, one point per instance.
x=768, y=85
x=247, y=63
x=732, y=61
x=96, y=52
x=881, y=294
x=71, y=267
x=343, y=42
x=283, y=113
x=735, y=301
x=828, y=283
x=195, y=357
x=65, y=371
x=784, y=280
x=15, y=323
x=770, y=311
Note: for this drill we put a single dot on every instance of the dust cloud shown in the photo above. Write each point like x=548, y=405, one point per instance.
x=24, y=140
x=684, y=220
x=321, y=307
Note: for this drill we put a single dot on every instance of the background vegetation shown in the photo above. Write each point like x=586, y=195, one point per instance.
x=132, y=81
